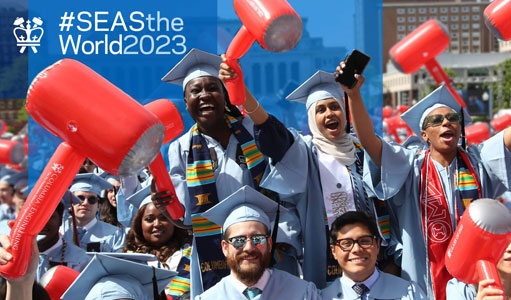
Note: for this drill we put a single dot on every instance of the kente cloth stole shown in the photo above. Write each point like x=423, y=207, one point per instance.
x=362, y=203
x=181, y=283
x=436, y=219
x=200, y=178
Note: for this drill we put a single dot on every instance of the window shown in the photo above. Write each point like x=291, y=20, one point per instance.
x=464, y=18
x=476, y=8
x=422, y=10
x=475, y=17
x=454, y=26
x=400, y=28
x=476, y=34
x=411, y=10
x=464, y=35
x=454, y=18
x=432, y=10
x=454, y=44
x=411, y=19
x=400, y=11
x=400, y=19
x=476, y=42
x=400, y=36
x=444, y=18
x=464, y=43
x=454, y=35
x=464, y=26
x=454, y=9
x=464, y=9
x=411, y=27
x=443, y=9
x=422, y=19
x=476, y=25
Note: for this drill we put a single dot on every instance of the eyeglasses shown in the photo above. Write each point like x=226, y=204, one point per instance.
x=364, y=242
x=239, y=242
x=436, y=120
x=90, y=199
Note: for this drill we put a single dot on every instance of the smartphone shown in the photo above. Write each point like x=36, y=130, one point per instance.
x=356, y=62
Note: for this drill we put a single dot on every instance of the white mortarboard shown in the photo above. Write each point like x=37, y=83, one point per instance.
x=89, y=182
x=141, y=197
x=441, y=96
x=195, y=63
x=24, y=190
x=246, y=204
x=320, y=86
x=11, y=176
x=107, y=274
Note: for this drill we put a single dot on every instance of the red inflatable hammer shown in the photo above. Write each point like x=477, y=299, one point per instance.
x=273, y=23
x=497, y=17
x=419, y=48
x=94, y=119
x=479, y=242
x=169, y=115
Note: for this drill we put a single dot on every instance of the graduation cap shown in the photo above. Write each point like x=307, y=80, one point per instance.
x=196, y=63
x=69, y=198
x=109, y=177
x=441, y=97
x=21, y=180
x=89, y=182
x=107, y=276
x=141, y=197
x=246, y=204
x=320, y=86
x=11, y=176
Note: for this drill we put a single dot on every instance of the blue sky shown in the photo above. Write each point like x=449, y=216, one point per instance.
x=325, y=17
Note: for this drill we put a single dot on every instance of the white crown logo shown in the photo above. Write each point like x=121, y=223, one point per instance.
x=58, y=168
x=28, y=33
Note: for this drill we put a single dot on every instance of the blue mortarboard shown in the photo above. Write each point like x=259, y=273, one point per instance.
x=109, y=177
x=141, y=197
x=89, y=182
x=69, y=197
x=196, y=63
x=439, y=97
x=132, y=276
x=321, y=85
x=21, y=180
x=11, y=176
x=246, y=204
x=24, y=190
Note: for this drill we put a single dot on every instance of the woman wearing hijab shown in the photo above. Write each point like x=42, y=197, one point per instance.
x=324, y=170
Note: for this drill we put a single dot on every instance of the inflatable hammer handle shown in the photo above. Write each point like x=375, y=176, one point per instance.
x=488, y=270
x=238, y=47
x=440, y=77
x=39, y=206
x=163, y=183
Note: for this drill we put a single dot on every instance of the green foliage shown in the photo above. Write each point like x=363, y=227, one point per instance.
x=505, y=69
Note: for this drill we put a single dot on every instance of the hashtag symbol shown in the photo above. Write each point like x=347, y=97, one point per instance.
x=67, y=21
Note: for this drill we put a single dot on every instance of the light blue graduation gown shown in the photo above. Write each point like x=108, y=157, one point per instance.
x=75, y=258
x=281, y=285
x=110, y=237
x=229, y=177
x=458, y=290
x=386, y=287
x=399, y=180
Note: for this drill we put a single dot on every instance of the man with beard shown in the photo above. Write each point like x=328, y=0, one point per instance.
x=246, y=216
x=355, y=243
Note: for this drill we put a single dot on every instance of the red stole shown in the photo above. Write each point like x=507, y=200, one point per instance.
x=435, y=215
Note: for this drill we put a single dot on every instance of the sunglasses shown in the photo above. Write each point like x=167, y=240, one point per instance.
x=238, y=242
x=364, y=242
x=90, y=199
x=437, y=120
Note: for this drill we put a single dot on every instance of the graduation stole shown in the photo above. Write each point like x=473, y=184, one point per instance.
x=436, y=219
x=180, y=284
x=200, y=179
x=362, y=204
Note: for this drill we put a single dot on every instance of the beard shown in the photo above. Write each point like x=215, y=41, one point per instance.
x=249, y=274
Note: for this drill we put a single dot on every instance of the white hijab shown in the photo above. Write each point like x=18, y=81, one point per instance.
x=342, y=149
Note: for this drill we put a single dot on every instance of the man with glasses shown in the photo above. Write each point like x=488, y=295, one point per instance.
x=91, y=234
x=429, y=182
x=355, y=243
x=246, y=217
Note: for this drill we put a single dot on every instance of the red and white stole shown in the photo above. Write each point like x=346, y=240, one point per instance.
x=436, y=219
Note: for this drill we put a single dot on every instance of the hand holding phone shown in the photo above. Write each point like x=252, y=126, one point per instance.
x=355, y=63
